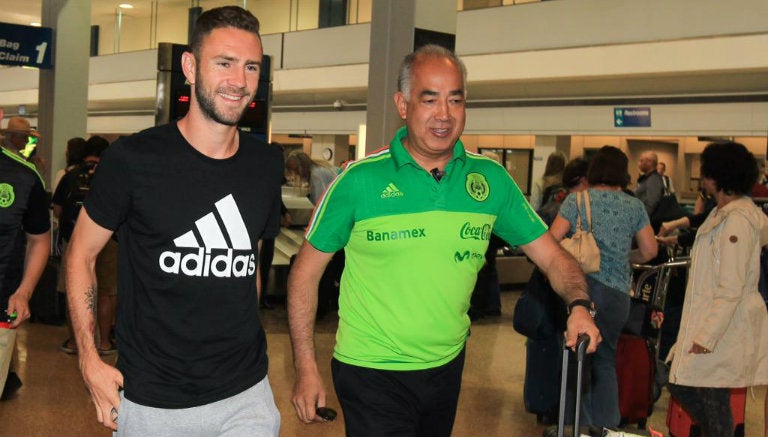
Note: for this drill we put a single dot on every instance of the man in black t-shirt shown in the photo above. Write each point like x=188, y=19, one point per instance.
x=190, y=202
x=24, y=241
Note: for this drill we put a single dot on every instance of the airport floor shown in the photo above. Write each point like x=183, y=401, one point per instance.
x=54, y=402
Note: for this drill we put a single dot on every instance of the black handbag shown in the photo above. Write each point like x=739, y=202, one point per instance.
x=539, y=312
x=668, y=209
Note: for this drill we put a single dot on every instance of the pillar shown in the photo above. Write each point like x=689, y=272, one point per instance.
x=63, y=90
x=397, y=27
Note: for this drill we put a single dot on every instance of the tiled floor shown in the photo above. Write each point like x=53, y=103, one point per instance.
x=54, y=403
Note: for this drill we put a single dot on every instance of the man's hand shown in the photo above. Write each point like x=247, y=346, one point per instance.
x=19, y=304
x=308, y=395
x=103, y=382
x=580, y=322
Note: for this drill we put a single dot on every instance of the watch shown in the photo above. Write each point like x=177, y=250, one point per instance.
x=586, y=303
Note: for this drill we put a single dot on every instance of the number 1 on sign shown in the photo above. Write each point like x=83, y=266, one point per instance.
x=41, y=51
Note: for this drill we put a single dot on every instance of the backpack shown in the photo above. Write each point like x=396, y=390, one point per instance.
x=80, y=185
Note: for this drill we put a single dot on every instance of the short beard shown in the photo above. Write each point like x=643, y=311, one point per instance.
x=208, y=107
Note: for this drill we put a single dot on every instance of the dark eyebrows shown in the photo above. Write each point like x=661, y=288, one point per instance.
x=430, y=93
x=233, y=59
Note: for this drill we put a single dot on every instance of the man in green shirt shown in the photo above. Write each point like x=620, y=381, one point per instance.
x=414, y=219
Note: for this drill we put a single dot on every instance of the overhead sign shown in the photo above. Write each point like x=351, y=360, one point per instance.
x=27, y=46
x=632, y=117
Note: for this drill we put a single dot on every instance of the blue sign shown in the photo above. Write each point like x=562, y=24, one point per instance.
x=632, y=117
x=27, y=46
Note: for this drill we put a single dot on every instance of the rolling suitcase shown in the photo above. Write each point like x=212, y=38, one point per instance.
x=635, y=373
x=680, y=424
x=542, y=367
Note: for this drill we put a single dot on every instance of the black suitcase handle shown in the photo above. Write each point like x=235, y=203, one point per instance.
x=581, y=350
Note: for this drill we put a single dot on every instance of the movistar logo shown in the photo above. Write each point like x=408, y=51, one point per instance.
x=215, y=256
x=469, y=232
x=402, y=234
x=391, y=191
x=466, y=255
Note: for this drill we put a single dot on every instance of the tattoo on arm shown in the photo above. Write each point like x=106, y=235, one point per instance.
x=90, y=299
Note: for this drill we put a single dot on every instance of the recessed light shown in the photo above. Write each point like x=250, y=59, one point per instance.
x=125, y=6
x=36, y=24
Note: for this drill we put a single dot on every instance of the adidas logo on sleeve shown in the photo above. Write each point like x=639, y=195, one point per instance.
x=218, y=245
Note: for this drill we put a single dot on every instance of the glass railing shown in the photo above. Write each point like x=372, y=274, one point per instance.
x=149, y=22
x=142, y=24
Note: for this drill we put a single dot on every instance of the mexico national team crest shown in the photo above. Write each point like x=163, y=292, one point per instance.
x=477, y=187
x=6, y=195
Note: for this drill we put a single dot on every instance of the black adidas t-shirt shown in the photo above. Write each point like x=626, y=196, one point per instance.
x=188, y=227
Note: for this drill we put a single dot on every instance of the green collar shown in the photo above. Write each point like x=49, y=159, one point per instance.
x=402, y=157
x=22, y=161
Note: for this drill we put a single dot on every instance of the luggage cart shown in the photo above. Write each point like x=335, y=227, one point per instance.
x=649, y=290
x=639, y=372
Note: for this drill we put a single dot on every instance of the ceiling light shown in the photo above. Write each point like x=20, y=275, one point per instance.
x=35, y=23
x=125, y=6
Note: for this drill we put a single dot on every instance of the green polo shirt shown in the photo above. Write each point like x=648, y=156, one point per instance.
x=413, y=249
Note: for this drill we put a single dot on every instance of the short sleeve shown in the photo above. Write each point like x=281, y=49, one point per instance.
x=334, y=216
x=108, y=200
x=568, y=210
x=517, y=223
x=37, y=219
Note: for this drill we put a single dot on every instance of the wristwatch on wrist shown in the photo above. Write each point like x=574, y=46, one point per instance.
x=586, y=303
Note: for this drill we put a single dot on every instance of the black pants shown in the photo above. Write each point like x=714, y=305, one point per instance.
x=709, y=407
x=388, y=403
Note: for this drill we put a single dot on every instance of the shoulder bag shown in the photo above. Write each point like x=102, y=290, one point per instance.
x=582, y=244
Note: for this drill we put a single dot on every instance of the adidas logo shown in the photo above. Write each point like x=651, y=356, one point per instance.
x=211, y=250
x=391, y=191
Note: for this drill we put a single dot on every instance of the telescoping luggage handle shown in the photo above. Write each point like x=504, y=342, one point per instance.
x=581, y=349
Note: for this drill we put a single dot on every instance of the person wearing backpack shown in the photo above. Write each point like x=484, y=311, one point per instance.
x=67, y=201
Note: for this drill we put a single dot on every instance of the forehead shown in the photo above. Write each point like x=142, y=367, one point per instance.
x=436, y=73
x=229, y=41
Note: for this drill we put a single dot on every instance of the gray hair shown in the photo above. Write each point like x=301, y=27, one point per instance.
x=405, y=77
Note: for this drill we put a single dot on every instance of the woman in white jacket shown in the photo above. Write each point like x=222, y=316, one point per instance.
x=723, y=338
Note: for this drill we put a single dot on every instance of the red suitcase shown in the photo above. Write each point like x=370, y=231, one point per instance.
x=680, y=423
x=635, y=372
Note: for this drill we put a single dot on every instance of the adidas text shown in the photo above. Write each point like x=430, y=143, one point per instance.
x=204, y=263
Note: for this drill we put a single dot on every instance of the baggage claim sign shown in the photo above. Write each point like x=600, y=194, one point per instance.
x=27, y=46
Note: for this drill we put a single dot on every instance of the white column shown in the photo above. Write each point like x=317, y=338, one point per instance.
x=63, y=90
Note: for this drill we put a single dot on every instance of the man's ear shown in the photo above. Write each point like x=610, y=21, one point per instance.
x=400, y=104
x=188, y=66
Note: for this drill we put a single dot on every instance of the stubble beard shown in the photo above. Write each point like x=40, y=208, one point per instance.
x=205, y=99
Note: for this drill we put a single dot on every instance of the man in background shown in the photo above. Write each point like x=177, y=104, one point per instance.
x=661, y=169
x=650, y=187
x=25, y=237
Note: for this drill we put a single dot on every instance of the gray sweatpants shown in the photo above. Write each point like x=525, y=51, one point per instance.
x=252, y=413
